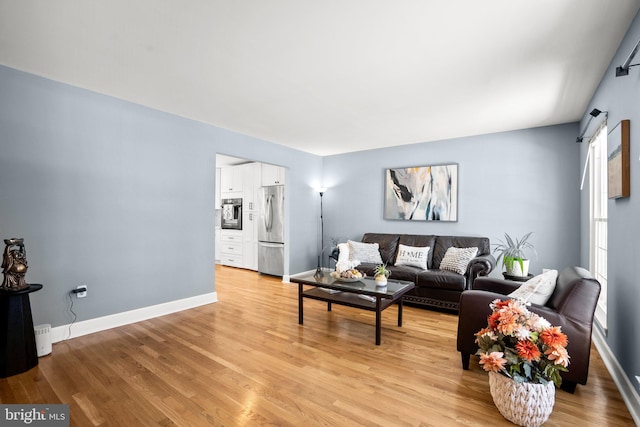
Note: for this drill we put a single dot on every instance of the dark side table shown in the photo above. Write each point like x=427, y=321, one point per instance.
x=517, y=278
x=17, y=338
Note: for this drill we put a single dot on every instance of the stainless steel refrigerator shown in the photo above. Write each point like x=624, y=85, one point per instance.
x=271, y=230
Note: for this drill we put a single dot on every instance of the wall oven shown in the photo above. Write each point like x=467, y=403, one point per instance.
x=231, y=214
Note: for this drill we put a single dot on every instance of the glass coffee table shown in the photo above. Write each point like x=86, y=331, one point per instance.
x=364, y=294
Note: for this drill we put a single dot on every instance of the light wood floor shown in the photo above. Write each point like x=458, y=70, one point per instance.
x=245, y=361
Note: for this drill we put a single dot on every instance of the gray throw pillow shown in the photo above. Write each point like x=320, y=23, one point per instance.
x=457, y=259
x=364, y=252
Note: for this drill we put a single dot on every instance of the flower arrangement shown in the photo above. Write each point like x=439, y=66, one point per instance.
x=522, y=345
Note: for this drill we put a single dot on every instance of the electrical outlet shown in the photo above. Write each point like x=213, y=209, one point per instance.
x=81, y=294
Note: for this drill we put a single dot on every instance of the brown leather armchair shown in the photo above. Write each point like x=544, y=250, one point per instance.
x=571, y=306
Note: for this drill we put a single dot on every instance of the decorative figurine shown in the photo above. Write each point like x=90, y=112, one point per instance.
x=14, y=264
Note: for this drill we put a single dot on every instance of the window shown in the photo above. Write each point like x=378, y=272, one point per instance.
x=598, y=219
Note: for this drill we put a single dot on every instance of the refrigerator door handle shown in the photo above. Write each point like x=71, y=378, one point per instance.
x=271, y=245
x=265, y=217
x=268, y=218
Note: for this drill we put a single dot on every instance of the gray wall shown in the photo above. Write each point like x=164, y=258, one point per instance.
x=512, y=182
x=120, y=197
x=620, y=97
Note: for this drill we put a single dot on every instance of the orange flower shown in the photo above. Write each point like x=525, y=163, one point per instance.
x=498, y=304
x=493, y=319
x=508, y=322
x=493, y=361
x=559, y=355
x=553, y=337
x=528, y=351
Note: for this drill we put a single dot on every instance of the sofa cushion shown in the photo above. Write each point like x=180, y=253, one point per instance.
x=420, y=241
x=388, y=245
x=404, y=272
x=441, y=279
x=413, y=256
x=367, y=268
x=457, y=259
x=364, y=252
x=445, y=242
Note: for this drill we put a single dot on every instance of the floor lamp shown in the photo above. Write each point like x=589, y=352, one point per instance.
x=319, y=271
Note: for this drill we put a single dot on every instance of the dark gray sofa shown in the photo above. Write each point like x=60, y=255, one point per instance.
x=434, y=287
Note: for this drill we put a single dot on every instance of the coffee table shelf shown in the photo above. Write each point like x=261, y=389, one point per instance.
x=346, y=298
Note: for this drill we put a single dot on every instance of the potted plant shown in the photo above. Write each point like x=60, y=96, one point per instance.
x=524, y=355
x=512, y=252
x=381, y=274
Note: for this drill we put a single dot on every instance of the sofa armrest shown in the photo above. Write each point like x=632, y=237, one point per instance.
x=483, y=264
x=472, y=316
x=499, y=286
x=479, y=266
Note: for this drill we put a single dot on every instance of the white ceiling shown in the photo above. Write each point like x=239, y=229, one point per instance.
x=329, y=76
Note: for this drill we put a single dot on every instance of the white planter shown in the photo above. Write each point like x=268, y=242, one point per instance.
x=524, y=404
x=380, y=280
x=516, y=271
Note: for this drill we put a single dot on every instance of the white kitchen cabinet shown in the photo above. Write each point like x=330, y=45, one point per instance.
x=251, y=175
x=231, y=179
x=231, y=248
x=272, y=175
x=250, y=240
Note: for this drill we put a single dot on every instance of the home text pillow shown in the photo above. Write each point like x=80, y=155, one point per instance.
x=457, y=259
x=364, y=252
x=413, y=256
x=538, y=289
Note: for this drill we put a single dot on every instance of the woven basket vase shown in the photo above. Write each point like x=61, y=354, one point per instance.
x=524, y=404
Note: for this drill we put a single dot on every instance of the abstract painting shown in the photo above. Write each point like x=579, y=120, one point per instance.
x=422, y=193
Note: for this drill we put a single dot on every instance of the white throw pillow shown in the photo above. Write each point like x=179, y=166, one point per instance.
x=538, y=289
x=343, y=263
x=413, y=256
x=457, y=259
x=343, y=255
x=364, y=252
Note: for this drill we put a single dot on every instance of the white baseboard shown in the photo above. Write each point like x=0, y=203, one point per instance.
x=627, y=390
x=303, y=273
x=64, y=332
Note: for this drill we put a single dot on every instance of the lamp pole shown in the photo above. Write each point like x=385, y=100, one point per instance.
x=321, y=231
x=319, y=272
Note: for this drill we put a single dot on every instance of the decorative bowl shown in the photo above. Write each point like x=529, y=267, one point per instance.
x=341, y=278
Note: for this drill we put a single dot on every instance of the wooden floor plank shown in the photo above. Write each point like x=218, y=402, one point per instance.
x=245, y=361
